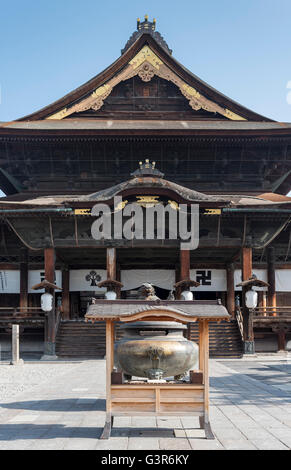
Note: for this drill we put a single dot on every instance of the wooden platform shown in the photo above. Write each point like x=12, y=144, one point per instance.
x=157, y=399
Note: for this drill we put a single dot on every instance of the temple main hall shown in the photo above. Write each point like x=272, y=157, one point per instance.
x=149, y=131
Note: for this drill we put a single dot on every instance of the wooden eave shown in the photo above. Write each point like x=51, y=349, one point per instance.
x=261, y=134
x=146, y=39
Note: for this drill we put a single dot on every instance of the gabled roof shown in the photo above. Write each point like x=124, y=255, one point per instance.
x=146, y=55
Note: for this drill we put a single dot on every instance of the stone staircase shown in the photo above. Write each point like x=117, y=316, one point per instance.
x=76, y=338
x=224, y=339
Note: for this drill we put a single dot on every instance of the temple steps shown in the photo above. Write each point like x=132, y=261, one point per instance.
x=80, y=339
x=224, y=339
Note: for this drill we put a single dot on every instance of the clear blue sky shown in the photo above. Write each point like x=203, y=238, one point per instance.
x=241, y=47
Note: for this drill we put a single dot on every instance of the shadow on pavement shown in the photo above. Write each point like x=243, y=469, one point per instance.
x=12, y=432
x=66, y=404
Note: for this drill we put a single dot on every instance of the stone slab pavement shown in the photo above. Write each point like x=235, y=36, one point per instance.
x=61, y=405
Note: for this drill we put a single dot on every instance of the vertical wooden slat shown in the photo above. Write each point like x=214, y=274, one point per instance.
x=158, y=399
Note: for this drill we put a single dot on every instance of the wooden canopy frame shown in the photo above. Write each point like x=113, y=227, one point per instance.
x=158, y=399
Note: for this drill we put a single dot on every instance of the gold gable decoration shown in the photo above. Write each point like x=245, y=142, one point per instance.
x=146, y=64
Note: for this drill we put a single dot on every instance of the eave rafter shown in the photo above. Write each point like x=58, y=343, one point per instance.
x=146, y=64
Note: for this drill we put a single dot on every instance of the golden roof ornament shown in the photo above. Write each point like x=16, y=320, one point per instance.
x=147, y=169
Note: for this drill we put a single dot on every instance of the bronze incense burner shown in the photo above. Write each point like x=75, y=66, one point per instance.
x=155, y=350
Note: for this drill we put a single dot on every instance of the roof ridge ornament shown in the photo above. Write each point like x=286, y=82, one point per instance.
x=147, y=169
x=148, y=27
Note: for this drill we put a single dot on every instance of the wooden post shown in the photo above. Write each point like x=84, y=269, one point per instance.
x=249, y=345
x=184, y=264
x=23, y=267
x=204, y=355
x=246, y=263
x=111, y=263
x=206, y=373
x=65, y=293
x=15, y=346
x=184, y=269
x=230, y=289
x=49, y=268
x=271, y=296
x=109, y=348
x=201, y=344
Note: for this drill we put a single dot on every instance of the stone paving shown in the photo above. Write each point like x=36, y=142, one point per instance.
x=61, y=405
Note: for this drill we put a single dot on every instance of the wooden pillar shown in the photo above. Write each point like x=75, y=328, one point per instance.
x=230, y=289
x=204, y=358
x=184, y=264
x=271, y=296
x=246, y=263
x=201, y=344
x=65, y=293
x=184, y=271
x=249, y=345
x=111, y=263
x=23, y=267
x=49, y=268
x=109, y=364
x=205, y=372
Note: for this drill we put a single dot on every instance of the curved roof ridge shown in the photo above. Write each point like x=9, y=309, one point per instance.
x=153, y=183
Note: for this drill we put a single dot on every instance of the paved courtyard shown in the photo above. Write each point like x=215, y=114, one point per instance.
x=61, y=405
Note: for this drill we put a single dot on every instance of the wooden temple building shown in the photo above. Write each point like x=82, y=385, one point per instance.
x=209, y=150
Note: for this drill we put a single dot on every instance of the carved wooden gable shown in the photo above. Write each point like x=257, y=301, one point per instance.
x=155, y=99
x=145, y=84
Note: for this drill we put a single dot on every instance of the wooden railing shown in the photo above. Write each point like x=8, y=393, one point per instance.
x=58, y=320
x=239, y=319
x=20, y=313
x=279, y=311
